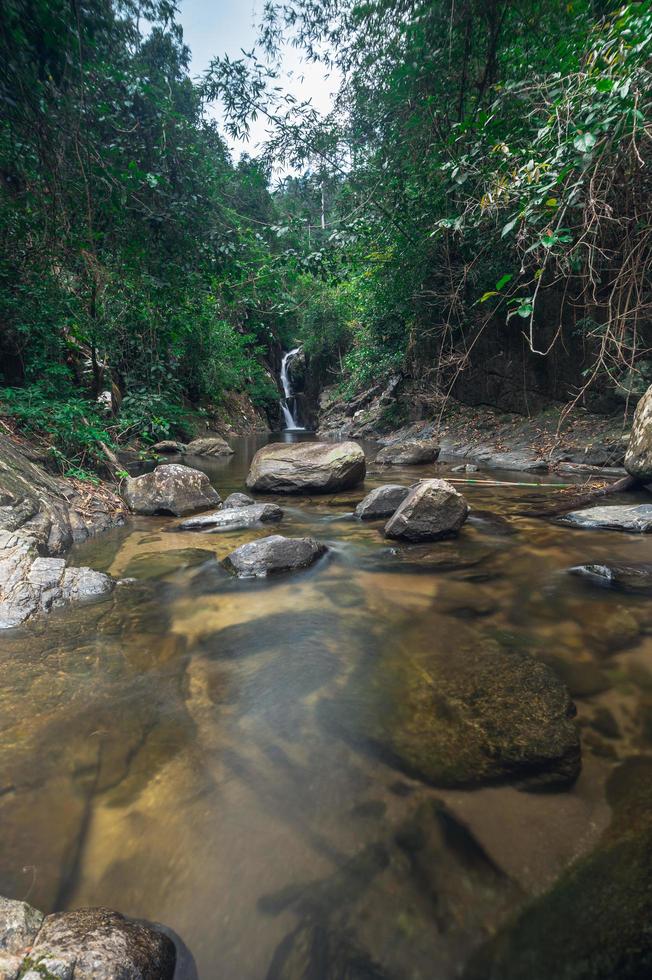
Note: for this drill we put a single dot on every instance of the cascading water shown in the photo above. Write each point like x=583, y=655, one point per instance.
x=289, y=402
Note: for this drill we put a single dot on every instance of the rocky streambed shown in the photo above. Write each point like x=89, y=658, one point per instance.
x=393, y=757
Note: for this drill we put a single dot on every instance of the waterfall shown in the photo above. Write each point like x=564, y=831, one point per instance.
x=288, y=402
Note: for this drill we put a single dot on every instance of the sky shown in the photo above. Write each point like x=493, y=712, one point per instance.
x=218, y=27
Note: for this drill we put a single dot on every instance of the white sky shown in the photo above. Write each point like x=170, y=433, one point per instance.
x=218, y=27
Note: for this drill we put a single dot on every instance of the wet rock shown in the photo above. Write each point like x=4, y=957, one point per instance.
x=409, y=452
x=168, y=447
x=233, y=518
x=273, y=554
x=465, y=599
x=237, y=500
x=170, y=489
x=638, y=458
x=381, y=502
x=303, y=467
x=209, y=446
x=433, y=509
x=618, y=630
x=156, y=564
x=636, y=518
x=594, y=924
x=316, y=952
x=583, y=678
x=604, y=723
x=634, y=577
x=98, y=944
x=30, y=584
x=465, y=468
x=464, y=717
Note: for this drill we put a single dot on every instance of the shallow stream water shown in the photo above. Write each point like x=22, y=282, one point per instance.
x=164, y=751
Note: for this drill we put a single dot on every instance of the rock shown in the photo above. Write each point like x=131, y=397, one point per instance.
x=232, y=519
x=316, y=951
x=594, y=924
x=410, y=452
x=638, y=457
x=209, y=446
x=19, y=924
x=97, y=944
x=465, y=468
x=170, y=489
x=463, y=717
x=304, y=467
x=169, y=447
x=157, y=564
x=381, y=502
x=621, y=517
x=30, y=584
x=433, y=509
x=634, y=577
x=237, y=500
x=273, y=554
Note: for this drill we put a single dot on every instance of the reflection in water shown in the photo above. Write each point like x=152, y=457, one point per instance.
x=165, y=750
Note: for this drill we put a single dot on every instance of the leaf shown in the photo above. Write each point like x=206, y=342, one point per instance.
x=488, y=295
x=504, y=280
x=551, y=202
x=584, y=142
x=508, y=227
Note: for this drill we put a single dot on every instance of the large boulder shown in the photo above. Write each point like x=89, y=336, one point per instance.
x=433, y=509
x=170, y=489
x=273, y=554
x=209, y=446
x=232, y=518
x=638, y=458
x=304, y=467
x=87, y=944
x=409, y=452
x=462, y=716
x=381, y=502
x=635, y=518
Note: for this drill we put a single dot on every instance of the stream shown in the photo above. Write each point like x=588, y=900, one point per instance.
x=166, y=750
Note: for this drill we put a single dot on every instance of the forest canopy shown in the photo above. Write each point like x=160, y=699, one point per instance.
x=483, y=176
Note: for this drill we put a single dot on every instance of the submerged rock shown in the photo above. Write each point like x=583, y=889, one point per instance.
x=638, y=458
x=232, y=519
x=381, y=502
x=237, y=500
x=464, y=717
x=316, y=952
x=303, y=467
x=594, y=924
x=273, y=554
x=409, y=452
x=209, y=446
x=86, y=944
x=170, y=489
x=433, y=509
x=633, y=517
x=634, y=577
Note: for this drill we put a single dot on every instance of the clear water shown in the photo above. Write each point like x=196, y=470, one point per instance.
x=163, y=752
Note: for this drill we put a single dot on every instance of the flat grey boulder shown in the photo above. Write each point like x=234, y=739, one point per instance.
x=233, y=518
x=410, y=452
x=168, y=447
x=433, y=509
x=304, y=467
x=273, y=554
x=31, y=584
x=464, y=716
x=170, y=489
x=237, y=500
x=638, y=458
x=636, y=518
x=209, y=446
x=634, y=577
x=86, y=944
x=381, y=502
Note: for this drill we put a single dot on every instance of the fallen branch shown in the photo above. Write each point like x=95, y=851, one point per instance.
x=572, y=502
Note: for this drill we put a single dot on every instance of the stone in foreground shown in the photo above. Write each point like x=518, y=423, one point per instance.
x=233, y=518
x=170, y=489
x=306, y=467
x=467, y=717
x=237, y=500
x=87, y=944
x=209, y=446
x=410, y=452
x=638, y=458
x=273, y=554
x=433, y=509
x=635, y=518
x=381, y=502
